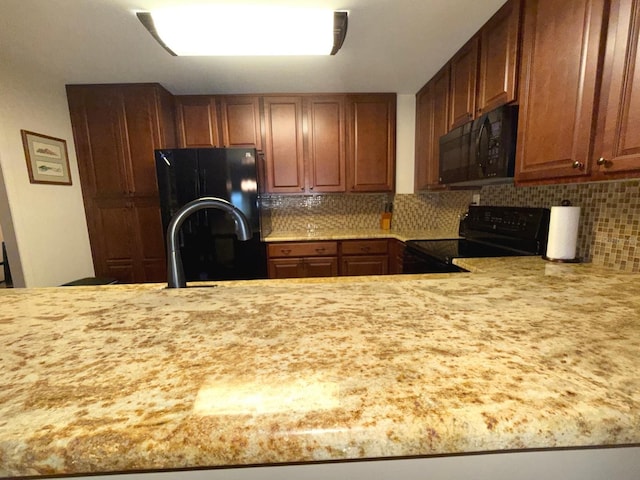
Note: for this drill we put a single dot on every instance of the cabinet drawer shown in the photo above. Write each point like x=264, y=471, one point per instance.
x=302, y=249
x=364, y=247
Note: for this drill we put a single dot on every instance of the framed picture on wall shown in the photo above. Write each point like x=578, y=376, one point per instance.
x=47, y=158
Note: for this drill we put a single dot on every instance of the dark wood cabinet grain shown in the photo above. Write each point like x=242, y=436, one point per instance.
x=302, y=259
x=240, y=121
x=561, y=54
x=326, y=144
x=364, y=257
x=116, y=129
x=371, y=142
x=218, y=121
x=197, y=121
x=499, y=54
x=432, y=121
x=464, y=77
x=617, y=152
x=284, y=154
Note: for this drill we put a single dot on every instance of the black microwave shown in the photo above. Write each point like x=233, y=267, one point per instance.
x=482, y=151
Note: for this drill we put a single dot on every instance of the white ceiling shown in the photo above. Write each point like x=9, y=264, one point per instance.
x=391, y=45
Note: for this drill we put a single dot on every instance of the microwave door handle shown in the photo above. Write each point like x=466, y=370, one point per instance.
x=478, y=142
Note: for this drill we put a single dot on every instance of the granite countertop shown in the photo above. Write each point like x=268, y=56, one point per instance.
x=520, y=354
x=356, y=234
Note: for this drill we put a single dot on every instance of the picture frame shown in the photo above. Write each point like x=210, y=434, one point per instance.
x=47, y=158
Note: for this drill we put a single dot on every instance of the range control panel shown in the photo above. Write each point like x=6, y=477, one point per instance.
x=520, y=222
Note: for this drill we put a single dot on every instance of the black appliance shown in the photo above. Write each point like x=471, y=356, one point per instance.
x=482, y=151
x=208, y=244
x=486, y=231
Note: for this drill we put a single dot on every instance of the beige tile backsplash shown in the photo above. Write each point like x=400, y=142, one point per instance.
x=609, y=226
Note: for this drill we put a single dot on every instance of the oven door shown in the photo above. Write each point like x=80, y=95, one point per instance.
x=416, y=261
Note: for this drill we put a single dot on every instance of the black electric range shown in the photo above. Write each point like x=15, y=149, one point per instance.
x=485, y=231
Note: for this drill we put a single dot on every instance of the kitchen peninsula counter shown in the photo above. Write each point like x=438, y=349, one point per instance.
x=139, y=377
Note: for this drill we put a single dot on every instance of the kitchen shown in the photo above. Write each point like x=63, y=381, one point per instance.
x=609, y=222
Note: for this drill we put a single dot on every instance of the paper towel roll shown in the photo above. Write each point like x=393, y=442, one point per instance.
x=563, y=233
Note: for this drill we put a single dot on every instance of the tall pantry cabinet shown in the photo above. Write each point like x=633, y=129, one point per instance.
x=116, y=129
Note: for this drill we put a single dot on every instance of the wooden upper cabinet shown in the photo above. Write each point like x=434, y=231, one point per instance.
x=371, y=142
x=464, y=76
x=499, y=53
x=618, y=142
x=97, y=116
x=197, y=121
x=284, y=155
x=432, y=108
x=559, y=74
x=240, y=121
x=326, y=144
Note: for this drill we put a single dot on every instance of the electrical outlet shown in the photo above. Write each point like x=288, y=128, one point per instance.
x=475, y=199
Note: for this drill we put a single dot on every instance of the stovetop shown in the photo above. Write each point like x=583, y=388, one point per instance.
x=492, y=232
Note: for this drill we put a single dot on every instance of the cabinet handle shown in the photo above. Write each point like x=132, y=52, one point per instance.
x=285, y=251
x=320, y=250
x=365, y=249
x=578, y=165
x=302, y=188
x=602, y=162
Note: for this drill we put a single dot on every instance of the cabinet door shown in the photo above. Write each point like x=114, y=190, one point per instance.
x=240, y=121
x=561, y=51
x=326, y=146
x=618, y=146
x=432, y=108
x=365, y=265
x=113, y=240
x=498, y=76
x=464, y=75
x=321, y=266
x=143, y=137
x=151, y=261
x=371, y=145
x=284, y=144
x=197, y=121
x=286, y=268
x=97, y=117
x=396, y=256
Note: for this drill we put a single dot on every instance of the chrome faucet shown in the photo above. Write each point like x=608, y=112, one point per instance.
x=175, y=270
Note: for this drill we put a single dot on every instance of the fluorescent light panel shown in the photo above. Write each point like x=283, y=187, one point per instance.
x=236, y=30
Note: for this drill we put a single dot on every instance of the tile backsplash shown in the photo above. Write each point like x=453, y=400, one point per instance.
x=609, y=231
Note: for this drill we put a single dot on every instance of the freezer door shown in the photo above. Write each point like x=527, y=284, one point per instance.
x=231, y=174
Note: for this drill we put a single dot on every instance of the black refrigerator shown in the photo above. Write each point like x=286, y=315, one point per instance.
x=208, y=244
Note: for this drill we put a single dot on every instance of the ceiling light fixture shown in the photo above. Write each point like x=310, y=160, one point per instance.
x=235, y=30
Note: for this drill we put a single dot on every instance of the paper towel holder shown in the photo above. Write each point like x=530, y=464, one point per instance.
x=563, y=203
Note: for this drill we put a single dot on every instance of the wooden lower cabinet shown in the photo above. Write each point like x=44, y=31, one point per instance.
x=328, y=258
x=364, y=257
x=396, y=256
x=302, y=259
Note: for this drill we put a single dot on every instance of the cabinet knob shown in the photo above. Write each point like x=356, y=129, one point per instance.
x=578, y=165
x=602, y=162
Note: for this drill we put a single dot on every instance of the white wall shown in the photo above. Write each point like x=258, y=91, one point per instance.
x=44, y=225
x=405, y=143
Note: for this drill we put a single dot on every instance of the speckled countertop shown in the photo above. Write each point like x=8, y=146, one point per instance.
x=346, y=234
x=521, y=354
